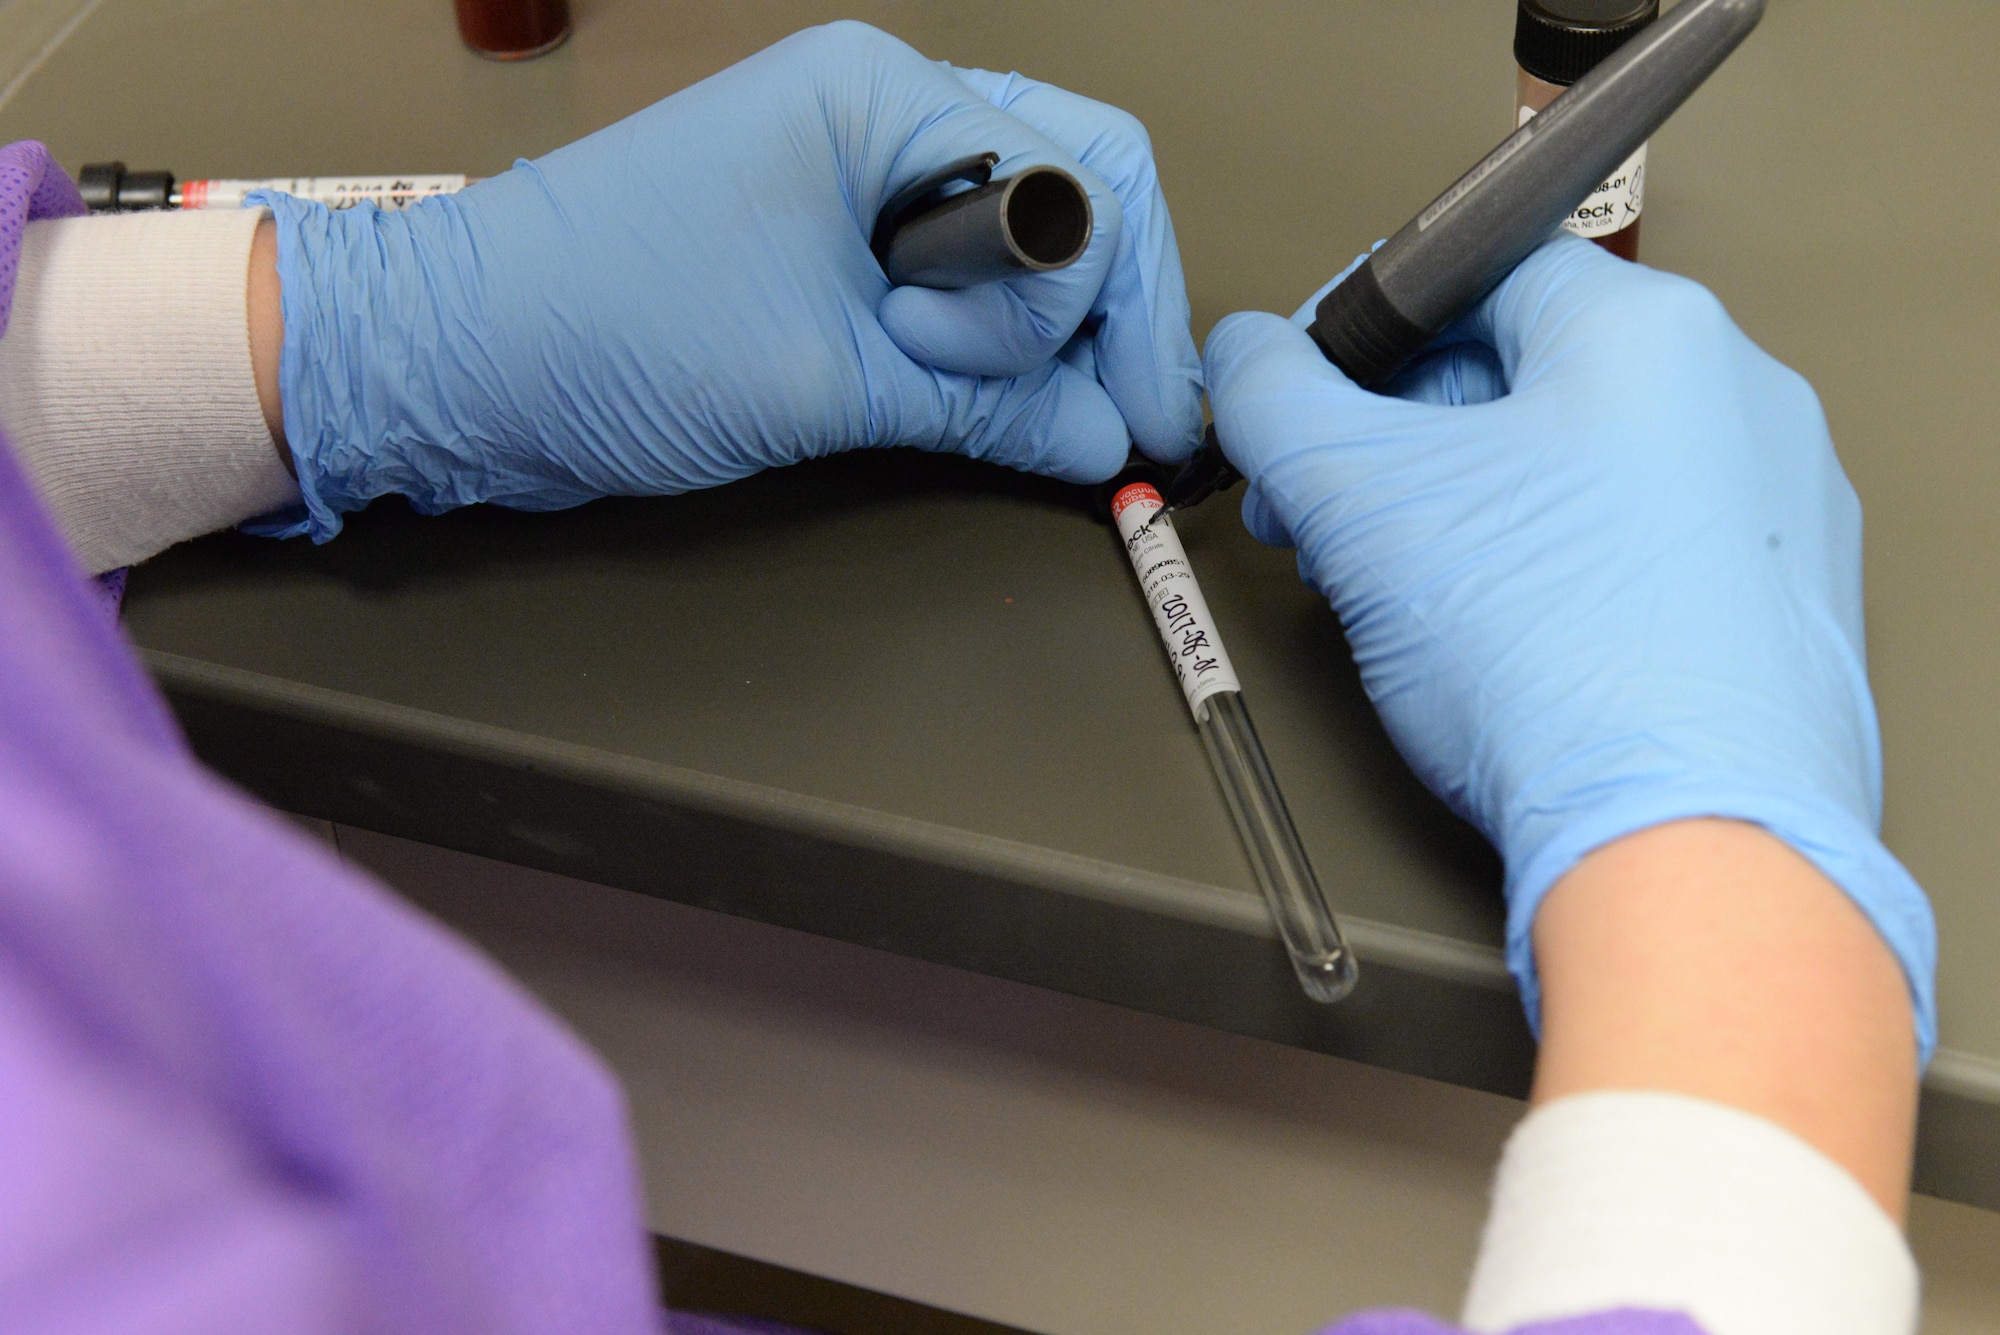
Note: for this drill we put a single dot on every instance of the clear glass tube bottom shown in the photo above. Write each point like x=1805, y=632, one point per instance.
x=1319, y=954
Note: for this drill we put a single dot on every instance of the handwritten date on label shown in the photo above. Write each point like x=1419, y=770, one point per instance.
x=1180, y=614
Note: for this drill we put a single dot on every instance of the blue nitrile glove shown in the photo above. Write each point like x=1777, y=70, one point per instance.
x=688, y=297
x=1626, y=592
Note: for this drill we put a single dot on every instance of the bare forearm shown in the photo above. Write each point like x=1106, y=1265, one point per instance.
x=267, y=333
x=1725, y=1101
x=1707, y=958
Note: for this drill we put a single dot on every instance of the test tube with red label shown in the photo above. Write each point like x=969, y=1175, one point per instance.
x=1320, y=955
x=111, y=187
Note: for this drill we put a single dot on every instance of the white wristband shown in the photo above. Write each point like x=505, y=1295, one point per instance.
x=1660, y=1201
x=125, y=380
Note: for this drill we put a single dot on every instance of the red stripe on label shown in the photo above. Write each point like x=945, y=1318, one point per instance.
x=1138, y=493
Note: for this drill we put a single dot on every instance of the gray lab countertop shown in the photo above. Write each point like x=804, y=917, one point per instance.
x=916, y=703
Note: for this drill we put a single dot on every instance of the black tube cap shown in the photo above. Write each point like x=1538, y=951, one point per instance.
x=146, y=190
x=108, y=187
x=98, y=184
x=1560, y=41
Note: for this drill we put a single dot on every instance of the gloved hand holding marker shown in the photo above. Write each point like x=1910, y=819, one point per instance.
x=1516, y=197
x=601, y=280
x=1370, y=324
x=1595, y=558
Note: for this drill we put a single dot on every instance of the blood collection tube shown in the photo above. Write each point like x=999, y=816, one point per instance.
x=1557, y=42
x=1319, y=954
x=513, y=29
x=109, y=187
x=336, y=192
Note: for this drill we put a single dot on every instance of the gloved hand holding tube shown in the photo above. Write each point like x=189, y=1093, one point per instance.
x=689, y=296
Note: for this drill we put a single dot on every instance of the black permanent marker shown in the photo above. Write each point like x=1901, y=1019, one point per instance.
x=1470, y=237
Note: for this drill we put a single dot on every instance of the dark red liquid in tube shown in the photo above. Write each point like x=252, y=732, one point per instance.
x=513, y=29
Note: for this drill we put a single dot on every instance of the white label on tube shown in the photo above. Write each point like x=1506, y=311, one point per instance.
x=336, y=192
x=1616, y=203
x=1166, y=579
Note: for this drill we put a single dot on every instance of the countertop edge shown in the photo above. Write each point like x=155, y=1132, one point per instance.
x=1426, y=953
x=1964, y=1075
x=1439, y=1008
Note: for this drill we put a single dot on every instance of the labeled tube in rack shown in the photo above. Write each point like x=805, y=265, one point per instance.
x=1319, y=954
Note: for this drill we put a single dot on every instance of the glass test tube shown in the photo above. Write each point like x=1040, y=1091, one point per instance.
x=336, y=192
x=1320, y=956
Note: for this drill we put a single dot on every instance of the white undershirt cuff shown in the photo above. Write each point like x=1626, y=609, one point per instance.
x=1651, y=1200
x=125, y=380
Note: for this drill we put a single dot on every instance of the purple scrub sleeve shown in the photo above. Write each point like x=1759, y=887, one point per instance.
x=241, y=1087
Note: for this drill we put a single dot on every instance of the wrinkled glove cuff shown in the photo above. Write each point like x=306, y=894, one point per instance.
x=394, y=377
